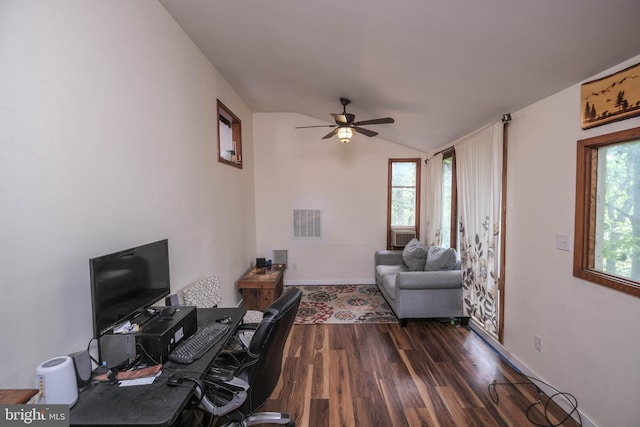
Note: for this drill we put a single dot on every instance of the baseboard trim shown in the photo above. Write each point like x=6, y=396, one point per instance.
x=518, y=365
x=328, y=282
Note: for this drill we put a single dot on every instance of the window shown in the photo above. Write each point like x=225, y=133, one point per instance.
x=229, y=137
x=403, y=210
x=449, y=202
x=607, y=243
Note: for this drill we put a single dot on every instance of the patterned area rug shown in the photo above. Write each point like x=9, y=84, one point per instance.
x=343, y=304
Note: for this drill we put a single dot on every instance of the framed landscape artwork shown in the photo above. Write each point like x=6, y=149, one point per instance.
x=612, y=98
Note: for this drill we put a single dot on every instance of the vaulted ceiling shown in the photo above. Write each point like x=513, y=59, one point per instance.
x=441, y=69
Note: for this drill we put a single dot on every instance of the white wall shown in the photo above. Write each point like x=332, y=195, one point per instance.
x=589, y=332
x=296, y=169
x=107, y=140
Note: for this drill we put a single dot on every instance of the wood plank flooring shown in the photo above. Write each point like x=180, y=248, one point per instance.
x=427, y=374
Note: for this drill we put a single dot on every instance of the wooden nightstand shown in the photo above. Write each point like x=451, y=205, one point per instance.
x=260, y=286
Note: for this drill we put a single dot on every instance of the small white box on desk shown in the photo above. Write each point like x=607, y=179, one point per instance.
x=56, y=379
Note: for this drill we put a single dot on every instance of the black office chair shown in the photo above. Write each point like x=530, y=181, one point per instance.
x=256, y=369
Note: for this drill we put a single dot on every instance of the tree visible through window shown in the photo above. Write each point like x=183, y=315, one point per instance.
x=618, y=210
x=403, y=194
x=608, y=211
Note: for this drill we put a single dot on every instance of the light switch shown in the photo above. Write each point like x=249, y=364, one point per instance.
x=563, y=241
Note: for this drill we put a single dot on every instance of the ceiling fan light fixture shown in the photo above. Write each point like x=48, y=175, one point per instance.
x=345, y=134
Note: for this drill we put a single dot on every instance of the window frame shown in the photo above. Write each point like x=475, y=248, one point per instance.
x=417, y=162
x=236, y=135
x=585, y=215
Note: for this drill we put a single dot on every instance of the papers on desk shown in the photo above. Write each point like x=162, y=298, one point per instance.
x=139, y=381
x=126, y=328
x=147, y=373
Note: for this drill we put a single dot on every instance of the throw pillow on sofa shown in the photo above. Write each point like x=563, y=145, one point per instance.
x=414, y=255
x=440, y=259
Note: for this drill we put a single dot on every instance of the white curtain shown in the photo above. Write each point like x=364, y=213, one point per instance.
x=433, y=201
x=479, y=178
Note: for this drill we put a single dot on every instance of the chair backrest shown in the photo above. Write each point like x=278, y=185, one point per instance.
x=203, y=293
x=267, y=347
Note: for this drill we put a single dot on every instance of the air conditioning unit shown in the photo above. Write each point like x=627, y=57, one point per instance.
x=400, y=237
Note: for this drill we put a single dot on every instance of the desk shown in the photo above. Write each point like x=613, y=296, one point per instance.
x=16, y=396
x=149, y=405
x=260, y=286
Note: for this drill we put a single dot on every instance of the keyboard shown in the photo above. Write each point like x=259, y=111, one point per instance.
x=199, y=343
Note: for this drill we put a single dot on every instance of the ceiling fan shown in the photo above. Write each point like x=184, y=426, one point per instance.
x=346, y=125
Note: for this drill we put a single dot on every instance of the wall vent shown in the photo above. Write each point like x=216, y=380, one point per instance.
x=307, y=224
x=279, y=256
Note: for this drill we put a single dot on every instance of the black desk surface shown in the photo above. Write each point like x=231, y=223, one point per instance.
x=149, y=405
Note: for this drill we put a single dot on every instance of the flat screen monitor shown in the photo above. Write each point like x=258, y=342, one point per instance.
x=126, y=282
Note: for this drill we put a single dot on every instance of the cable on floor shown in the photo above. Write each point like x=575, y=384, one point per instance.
x=531, y=381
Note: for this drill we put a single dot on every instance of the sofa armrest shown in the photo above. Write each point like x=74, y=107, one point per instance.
x=389, y=257
x=448, y=279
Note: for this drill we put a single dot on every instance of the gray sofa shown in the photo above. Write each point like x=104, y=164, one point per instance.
x=420, y=282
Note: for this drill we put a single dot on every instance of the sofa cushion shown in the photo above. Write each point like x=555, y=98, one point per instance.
x=389, y=286
x=440, y=259
x=414, y=255
x=385, y=270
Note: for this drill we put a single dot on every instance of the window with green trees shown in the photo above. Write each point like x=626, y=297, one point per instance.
x=404, y=195
x=608, y=211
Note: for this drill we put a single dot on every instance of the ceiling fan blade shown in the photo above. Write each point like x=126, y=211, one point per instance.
x=319, y=126
x=330, y=134
x=343, y=118
x=364, y=131
x=375, y=121
x=340, y=119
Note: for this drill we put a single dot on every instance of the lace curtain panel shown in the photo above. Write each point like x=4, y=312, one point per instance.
x=434, y=201
x=479, y=179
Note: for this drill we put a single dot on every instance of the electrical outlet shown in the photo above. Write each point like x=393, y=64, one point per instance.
x=295, y=266
x=537, y=342
x=563, y=242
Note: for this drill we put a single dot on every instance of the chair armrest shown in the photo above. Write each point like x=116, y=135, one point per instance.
x=448, y=279
x=248, y=327
x=388, y=257
x=245, y=331
x=235, y=391
x=232, y=385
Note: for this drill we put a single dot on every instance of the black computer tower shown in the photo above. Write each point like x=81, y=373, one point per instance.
x=162, y=334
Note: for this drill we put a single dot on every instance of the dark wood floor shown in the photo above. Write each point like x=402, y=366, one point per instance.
x=427, y=374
